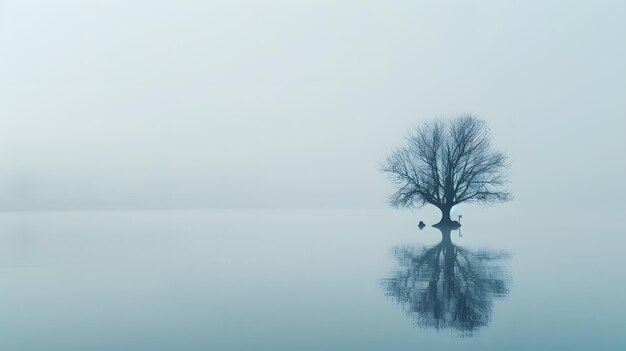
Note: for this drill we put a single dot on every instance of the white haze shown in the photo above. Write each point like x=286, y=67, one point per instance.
x=285, y=104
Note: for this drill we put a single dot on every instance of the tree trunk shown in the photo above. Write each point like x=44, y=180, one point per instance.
x=445, y=216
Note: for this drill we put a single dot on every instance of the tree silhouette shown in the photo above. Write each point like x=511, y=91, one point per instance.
x=446, y=286
x=445, y=163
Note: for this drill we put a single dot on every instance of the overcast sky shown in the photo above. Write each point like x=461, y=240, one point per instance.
x=265, y=104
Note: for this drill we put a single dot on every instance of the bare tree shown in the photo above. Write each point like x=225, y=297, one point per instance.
x=448, y=162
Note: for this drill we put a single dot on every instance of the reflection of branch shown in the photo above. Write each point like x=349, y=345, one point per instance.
x=447, y=287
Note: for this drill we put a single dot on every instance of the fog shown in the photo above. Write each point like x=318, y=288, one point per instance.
x=206, y=175
x=233, y=104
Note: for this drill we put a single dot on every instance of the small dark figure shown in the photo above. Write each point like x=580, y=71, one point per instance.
x=421, y=225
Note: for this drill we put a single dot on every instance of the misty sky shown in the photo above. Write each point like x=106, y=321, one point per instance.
x=266, y=104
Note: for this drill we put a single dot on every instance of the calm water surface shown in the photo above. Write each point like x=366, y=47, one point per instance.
x=308, y=280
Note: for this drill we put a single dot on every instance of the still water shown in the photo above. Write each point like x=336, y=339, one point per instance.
x=307, y=280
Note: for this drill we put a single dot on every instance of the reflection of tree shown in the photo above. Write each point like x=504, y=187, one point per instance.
x=446, y=286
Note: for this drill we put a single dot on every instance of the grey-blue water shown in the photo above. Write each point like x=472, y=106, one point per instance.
x=309, y=280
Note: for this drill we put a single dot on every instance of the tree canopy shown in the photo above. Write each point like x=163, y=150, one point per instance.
x=447, y=162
